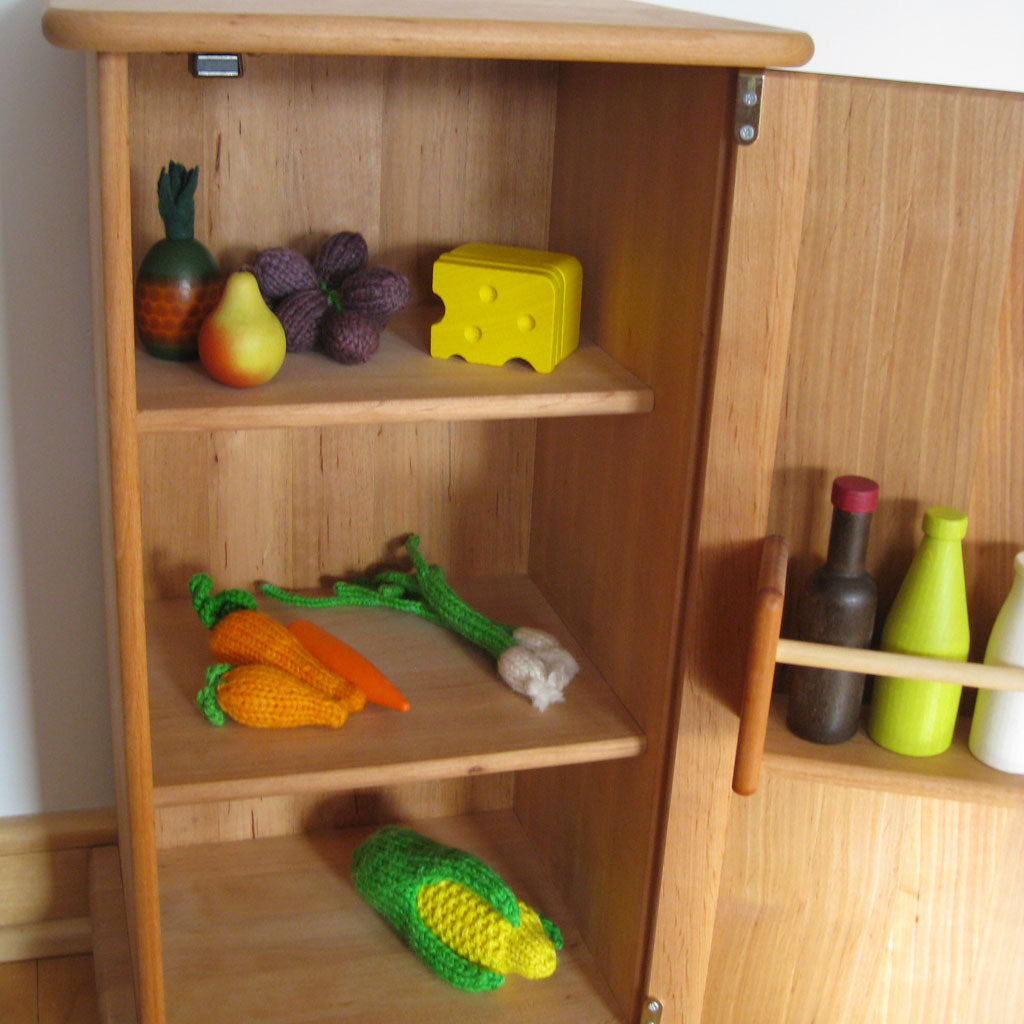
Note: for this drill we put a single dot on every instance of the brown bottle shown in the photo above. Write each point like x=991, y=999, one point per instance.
x=837, y=607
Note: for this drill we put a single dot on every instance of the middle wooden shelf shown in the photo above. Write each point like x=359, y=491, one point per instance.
x=401, y=383
x=462, y=721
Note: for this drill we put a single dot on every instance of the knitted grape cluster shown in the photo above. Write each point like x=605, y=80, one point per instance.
x=337, y=304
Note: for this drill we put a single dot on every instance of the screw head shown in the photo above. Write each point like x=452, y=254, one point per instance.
x=746, y=133
x=750, y=99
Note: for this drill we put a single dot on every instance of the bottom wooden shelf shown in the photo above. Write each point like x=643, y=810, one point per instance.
x=272, y=930
x=955, y=774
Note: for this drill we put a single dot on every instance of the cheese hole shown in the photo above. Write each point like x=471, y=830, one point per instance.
x=472, y=333
x=526, y=322
x=487, y=293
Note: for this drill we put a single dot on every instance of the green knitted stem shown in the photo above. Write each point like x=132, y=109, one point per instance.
x=175, y=192
x=391, y=867
x=206, y=698
x=210, y=607
x=424, y=593
x=453, y=611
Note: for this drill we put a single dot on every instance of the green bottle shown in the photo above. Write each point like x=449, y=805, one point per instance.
x=928, y=617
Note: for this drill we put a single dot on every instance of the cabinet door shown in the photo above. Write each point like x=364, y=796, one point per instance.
x=871, y=323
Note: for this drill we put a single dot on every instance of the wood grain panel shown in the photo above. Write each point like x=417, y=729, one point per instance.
x=911, y=202
x=809, y=930
x=466, y=157
x=223, y=821
x=996, y=513
x=287, y=154
x=304, y=507
x=416, y=155
x=612, y=502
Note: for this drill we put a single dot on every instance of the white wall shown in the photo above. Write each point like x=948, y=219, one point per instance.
x=54, y=723
x=978, y=44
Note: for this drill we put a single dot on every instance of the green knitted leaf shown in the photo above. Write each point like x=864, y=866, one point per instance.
x=175, y=192
x=210, y=607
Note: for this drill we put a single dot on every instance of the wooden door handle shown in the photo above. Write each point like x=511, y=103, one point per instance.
x=757, y=693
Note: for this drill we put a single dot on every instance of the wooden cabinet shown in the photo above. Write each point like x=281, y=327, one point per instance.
x=842, y=296
x=569, y=501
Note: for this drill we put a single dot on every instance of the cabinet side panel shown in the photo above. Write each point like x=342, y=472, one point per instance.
x=130, y=691
x=641, y=161
x=296, y=507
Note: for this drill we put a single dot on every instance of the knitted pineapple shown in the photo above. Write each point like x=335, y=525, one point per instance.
x=456, y=914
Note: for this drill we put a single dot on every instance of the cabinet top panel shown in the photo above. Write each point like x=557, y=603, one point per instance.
x=616, y=31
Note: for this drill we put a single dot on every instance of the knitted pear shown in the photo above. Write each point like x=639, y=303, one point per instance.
x=178, y=282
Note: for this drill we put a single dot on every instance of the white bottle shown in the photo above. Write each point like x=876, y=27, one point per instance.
x=997, y=729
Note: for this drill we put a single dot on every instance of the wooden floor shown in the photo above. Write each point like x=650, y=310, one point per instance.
x=56, y=991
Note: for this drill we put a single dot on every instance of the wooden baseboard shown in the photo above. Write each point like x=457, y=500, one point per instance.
x=44, y=882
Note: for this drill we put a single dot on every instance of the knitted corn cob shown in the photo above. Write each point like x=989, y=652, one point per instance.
x=530, y=661
x=456, y=914
x=266, y=698
x=243, y=636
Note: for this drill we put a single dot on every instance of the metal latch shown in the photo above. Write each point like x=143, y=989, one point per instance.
x=215, y=65
x=749, y=87
x=651, y=1013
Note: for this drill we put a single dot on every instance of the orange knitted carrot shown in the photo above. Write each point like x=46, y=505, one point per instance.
x=348, y=663
x=241, y=635
x=267, y=698
x=246, y=637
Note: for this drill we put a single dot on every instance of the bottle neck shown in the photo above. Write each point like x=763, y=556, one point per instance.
x=848, y=541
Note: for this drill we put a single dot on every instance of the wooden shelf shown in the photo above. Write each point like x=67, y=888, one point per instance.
x=955, y=774
x=402, y=382
x=463, y=720
x=273, y=930
x=598, y=30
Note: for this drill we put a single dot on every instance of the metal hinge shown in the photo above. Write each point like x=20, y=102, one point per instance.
x=651, y=1013
x=749, y=87
x=215, y=65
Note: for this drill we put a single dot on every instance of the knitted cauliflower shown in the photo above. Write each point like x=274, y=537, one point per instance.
x=337, y=304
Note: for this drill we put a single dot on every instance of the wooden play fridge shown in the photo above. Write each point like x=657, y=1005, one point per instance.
x=777, y=286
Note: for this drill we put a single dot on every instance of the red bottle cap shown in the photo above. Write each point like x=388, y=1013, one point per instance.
x=855, y=494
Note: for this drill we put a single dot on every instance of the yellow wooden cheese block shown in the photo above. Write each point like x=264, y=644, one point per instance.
x=503, y=302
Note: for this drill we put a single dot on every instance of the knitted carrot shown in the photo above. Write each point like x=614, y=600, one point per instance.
x=241, y=635
x=348, y=663
x=265, y=697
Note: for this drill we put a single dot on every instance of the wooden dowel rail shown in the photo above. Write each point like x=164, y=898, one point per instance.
x=903, y=666
x=767, y=650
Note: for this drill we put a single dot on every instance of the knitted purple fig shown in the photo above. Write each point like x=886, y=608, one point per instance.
x=349, y=336
x=341, y=255
x=280, y=272
x=338, y=305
